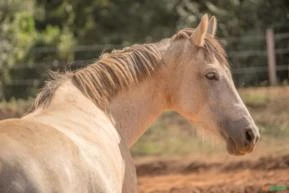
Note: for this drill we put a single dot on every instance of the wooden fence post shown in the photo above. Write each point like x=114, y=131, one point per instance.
x=271, y=56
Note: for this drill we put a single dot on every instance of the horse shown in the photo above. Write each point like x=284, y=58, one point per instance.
x=78, y=135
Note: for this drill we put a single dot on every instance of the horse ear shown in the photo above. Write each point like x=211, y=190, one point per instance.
x=198, y=37
x=212, y=26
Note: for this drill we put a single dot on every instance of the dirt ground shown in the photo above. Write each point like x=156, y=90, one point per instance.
x=178, y=176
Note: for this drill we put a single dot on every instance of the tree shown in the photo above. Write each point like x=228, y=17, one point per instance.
x=41, y=32
x=17, y=33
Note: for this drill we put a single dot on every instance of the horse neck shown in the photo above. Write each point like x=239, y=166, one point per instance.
x=131, y=111
x=134, y=110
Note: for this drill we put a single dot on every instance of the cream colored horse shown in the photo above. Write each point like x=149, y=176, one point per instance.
x=77, y=138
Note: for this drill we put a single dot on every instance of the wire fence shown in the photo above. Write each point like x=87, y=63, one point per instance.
x=235, y=56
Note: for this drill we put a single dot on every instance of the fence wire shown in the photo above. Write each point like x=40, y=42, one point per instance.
x=233, y=55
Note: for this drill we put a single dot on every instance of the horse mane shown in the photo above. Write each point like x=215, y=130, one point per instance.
x=119, y=70
x=113, y=72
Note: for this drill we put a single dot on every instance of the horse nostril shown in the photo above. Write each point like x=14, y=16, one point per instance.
x=249, y=135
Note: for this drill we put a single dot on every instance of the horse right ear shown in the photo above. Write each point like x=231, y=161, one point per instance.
x=198, y=36
x=212, y=26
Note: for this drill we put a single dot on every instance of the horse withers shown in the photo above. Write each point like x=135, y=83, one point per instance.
x=77, y=137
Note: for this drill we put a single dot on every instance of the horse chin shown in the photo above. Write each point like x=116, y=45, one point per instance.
x=232, y=148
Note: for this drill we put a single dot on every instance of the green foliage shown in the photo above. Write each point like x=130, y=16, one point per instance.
x=17, y=33
x=35, y=33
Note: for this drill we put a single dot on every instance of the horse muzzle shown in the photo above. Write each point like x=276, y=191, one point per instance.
x=241, y=141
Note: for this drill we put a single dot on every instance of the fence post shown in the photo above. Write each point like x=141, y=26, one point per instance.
x=271, y=56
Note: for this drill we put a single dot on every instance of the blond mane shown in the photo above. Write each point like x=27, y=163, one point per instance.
x=119, y=70
x=116, y=71
x=105, y=78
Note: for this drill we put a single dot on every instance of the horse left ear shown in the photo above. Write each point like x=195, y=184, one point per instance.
x=198, y=37
x=212, y=26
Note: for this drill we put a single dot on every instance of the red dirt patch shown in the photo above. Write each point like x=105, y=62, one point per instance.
x=234, y=177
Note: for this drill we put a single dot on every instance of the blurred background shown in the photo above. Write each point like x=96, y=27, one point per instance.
x=41, y=35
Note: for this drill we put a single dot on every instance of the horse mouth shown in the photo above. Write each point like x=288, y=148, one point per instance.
x=233, y=148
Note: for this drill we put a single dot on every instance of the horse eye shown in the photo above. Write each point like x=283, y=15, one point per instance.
x=212, y=76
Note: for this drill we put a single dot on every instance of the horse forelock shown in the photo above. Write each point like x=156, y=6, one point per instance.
x=212, y=47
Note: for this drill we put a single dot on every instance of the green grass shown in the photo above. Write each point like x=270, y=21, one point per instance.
x=173, y=135
x=256, y=100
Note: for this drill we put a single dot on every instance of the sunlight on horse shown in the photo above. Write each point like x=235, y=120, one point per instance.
x=77, y=137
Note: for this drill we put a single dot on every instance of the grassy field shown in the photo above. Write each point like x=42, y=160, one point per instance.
x=173, y=135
